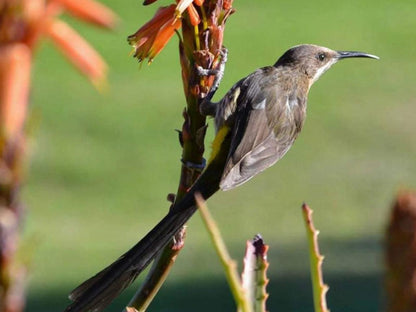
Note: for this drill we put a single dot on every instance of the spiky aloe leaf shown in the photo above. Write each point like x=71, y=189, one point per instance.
x=319, y=288
x=254, y=276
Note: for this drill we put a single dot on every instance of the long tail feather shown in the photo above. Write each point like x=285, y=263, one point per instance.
x=98, y=291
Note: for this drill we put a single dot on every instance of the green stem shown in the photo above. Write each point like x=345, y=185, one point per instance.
x=193, y=149
x=230, y=266
x=193, y=135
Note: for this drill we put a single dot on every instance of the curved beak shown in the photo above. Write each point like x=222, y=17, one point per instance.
x=347, y=54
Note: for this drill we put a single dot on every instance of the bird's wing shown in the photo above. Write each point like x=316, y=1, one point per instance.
x=254, y=146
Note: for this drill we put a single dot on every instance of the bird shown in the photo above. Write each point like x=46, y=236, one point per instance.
x=256, y=123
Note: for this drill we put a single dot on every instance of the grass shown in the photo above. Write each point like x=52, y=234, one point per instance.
x=102, y=164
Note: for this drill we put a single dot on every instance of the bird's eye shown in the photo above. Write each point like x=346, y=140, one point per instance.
x=321, y=56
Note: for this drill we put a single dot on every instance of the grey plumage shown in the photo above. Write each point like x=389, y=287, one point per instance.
x=264, y=125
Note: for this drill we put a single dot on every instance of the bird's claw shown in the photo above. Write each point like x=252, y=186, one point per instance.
x=203, y=72
x=207, y=107
x=224, y=54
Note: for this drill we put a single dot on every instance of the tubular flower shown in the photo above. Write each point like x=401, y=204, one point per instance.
x=14, y=88
x=22, y=24
x=27, y=21
x=188, y=5
x=90, y=11
x=152, y=37
x=182, y=6
x=193, y=15
x=78, y=51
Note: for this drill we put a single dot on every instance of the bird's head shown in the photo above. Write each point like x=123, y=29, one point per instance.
x=313, y=61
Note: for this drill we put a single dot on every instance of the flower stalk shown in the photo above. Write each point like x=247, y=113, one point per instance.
x=201, y=25
x=22, y=24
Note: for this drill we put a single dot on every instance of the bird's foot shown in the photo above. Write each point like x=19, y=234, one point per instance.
x=219, y=72
x=206, y=106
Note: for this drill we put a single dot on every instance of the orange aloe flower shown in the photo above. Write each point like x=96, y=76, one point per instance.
x=90, y=11
x=22, y=24
x=152, y=37
x=185, y=4
x=15, y=62
x=78, y=51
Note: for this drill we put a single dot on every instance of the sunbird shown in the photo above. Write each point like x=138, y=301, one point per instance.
x=256, y=122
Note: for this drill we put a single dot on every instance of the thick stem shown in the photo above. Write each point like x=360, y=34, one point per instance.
x=400, y=254
x=193, y=134
x=12, y=272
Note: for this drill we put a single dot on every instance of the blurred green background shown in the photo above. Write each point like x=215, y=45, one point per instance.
x=101, y=165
